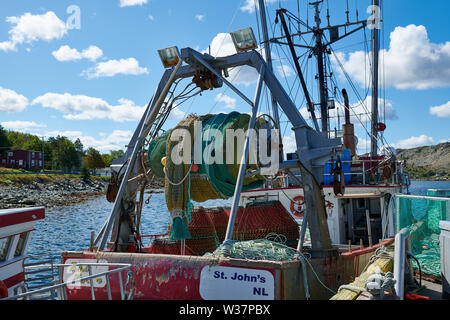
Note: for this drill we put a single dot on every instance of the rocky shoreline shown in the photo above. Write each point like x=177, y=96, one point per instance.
x=58, y=193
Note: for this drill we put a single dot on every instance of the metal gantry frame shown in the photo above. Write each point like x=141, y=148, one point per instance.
x=313, y=148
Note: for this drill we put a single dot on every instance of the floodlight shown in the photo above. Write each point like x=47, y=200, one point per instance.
x=169, y=56
x=244, y=40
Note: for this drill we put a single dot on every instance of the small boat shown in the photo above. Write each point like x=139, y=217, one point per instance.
x=16, y=227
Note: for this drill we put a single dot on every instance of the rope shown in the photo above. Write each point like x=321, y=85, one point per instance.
x=264, y=249
x=177, y=184
x=129, y=277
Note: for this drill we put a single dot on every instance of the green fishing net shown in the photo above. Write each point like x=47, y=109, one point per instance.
x=422, y=216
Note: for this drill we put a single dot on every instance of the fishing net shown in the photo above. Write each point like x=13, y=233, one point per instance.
x=203, y=232
x=272, y=248
x=422, y=216
x=165, y=246
x=158, y=149
x=210, y=179
x=257, y=220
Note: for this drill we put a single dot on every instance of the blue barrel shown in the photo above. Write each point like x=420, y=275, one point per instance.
x=328, y=179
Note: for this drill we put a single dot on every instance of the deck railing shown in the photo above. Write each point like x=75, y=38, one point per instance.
x=368, y=166
x=62, y=285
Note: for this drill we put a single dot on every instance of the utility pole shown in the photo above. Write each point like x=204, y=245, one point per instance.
x=43, y=153
x=375, y=54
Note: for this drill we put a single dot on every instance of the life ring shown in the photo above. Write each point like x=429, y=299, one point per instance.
x=3, y=290
x=297, y=208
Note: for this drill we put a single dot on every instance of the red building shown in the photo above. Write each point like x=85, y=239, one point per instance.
x=23, y=159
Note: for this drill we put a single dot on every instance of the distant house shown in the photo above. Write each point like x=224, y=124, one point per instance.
x=23, y=159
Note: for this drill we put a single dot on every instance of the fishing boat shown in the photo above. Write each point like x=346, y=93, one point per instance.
x=301, y=228
x=16, y=227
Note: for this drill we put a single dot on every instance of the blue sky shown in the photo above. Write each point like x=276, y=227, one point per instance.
x=88, y=73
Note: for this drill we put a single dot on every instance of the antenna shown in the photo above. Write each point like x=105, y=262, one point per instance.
x=347, y=12
x=328, y=14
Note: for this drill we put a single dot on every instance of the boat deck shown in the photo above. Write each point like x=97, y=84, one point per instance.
x=431, y=289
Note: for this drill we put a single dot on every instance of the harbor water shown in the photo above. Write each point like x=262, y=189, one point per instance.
x=69, y=228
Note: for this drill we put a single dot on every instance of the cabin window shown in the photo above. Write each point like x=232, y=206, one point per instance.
x=21, y=244
x=4, y=247
x=361, y=203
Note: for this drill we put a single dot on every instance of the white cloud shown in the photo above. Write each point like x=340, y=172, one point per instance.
x=222, y=46
x=68, y=134
x=442, y=111
x=249, y=5
x=363, y=145
x=285, y=71
x=81, y=107
x=130, y=3
x=289, y=144
x=66, y=53
x=115, y=141
x=92, y=53
x=21, y=125
x=359, y=112
x=230, y=103
x=151, y=17
x=176, y=114
x=200, y=17
x=111, y=68
x=29, y=28
x=7, y=46
x=411, y=62
x=414, y=142
x=11, y=101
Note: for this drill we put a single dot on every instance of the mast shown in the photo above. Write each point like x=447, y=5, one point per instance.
x=375, y=54
x=280, y=13
x=268, y=58
x=319, y=51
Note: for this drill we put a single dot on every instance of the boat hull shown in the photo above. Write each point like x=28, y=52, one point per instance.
x=175, y=277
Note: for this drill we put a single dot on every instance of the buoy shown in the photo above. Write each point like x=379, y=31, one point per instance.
x=381, y=126
x=297, y=206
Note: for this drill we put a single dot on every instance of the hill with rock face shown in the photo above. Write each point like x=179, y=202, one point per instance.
x=427, y=161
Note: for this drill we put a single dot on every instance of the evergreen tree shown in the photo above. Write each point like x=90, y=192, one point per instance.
x=93, y=159
x=5, y=144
